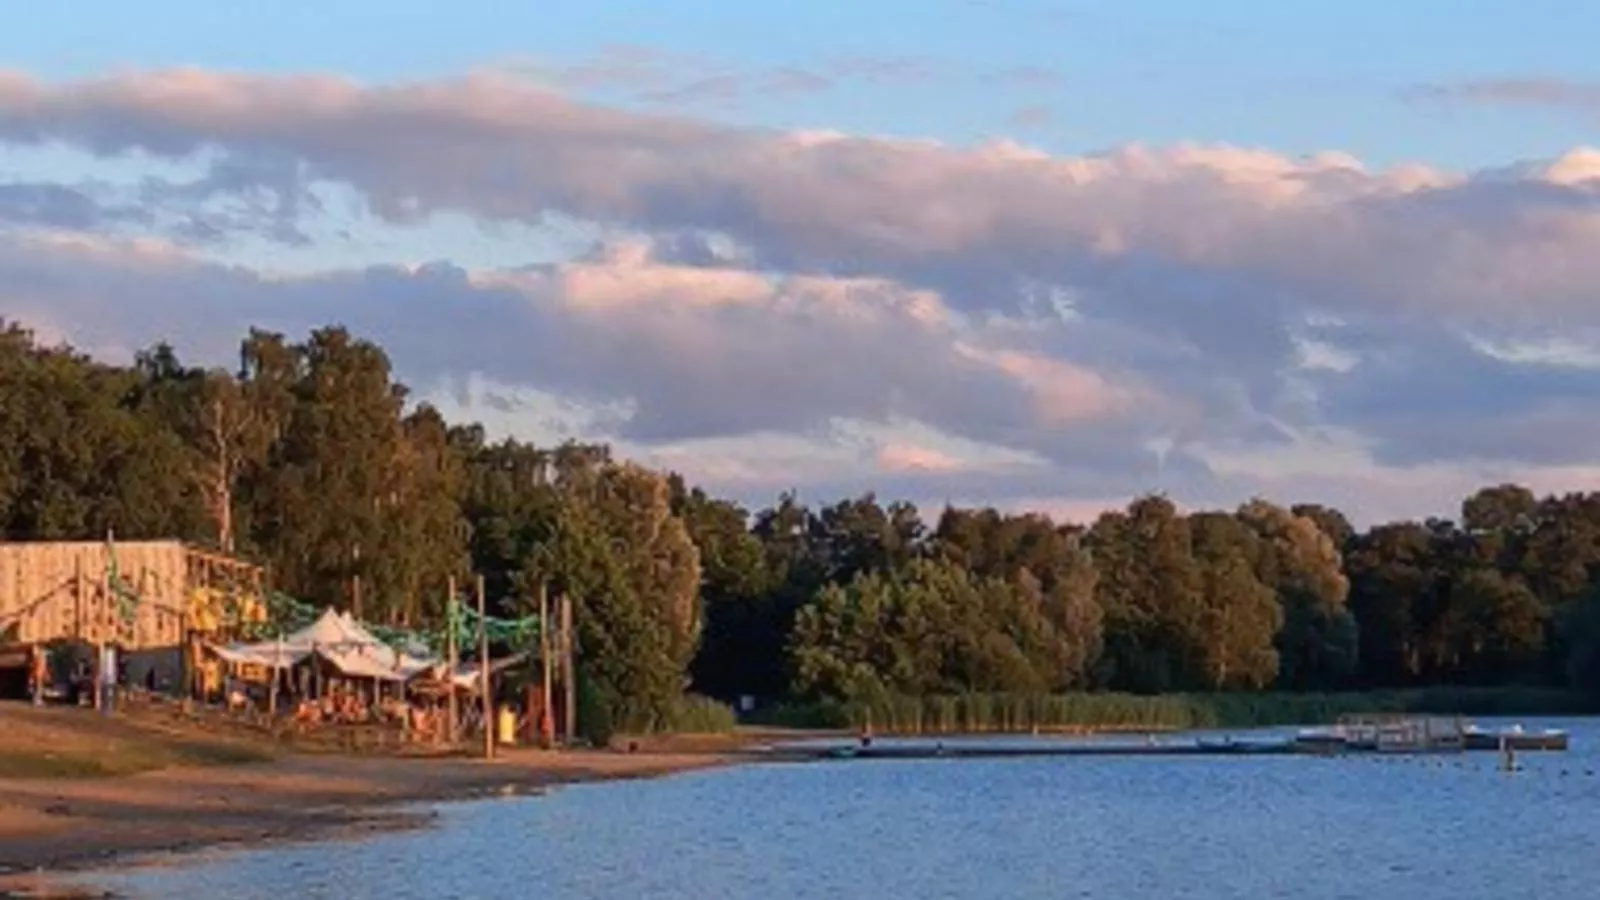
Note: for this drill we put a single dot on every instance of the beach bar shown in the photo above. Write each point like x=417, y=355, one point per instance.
x=136, y=606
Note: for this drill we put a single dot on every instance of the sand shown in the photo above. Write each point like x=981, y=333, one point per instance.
x=61, y=824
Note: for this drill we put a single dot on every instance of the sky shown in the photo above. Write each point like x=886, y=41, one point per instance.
x=1031, y=254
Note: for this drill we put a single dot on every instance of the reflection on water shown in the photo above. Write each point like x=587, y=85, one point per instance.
x=1418, y=828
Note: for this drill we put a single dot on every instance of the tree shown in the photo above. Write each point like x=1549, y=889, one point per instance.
x=1503, y=508
x=741, y=625
x=1392, y=581
x=1152, y=593
x=1241, y=615
x=84, y=452
x=1318, y=638
x=929, y=627
x=313, y=459
x=322, y=502
x=860, y=535
x=1579, y=627
x=1496, y=627
x=797, y=568
x=1043, y=561
x=424, y=538
x=1329, y=521
x=633, y=575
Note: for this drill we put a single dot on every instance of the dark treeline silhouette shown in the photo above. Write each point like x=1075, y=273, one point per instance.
x=310, y=459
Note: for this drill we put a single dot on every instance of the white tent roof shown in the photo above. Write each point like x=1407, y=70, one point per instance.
x=277, y=654
x=347, y=645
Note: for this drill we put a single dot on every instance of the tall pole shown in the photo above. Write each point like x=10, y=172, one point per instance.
x=355, y=586
x=186, y=659
x=483, y=676
x=108, y=615
x=547, y=720
x=452, y=714
x=77, y=596
x=568, y=679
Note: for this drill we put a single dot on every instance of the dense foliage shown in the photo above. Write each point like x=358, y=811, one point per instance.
x=311, y=459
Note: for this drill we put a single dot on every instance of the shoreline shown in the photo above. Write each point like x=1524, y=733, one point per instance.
x=52, y=829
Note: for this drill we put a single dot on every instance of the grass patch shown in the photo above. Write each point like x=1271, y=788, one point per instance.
x=1017, y=713
x=70, y=743
x=36, y=764
x=123, y=759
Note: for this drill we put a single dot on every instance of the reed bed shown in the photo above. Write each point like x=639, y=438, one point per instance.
x=1083, y=712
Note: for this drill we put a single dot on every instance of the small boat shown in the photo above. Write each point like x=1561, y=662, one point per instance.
x=1321, y=740
x=1514, y=738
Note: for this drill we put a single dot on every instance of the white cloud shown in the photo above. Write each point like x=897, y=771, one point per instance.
x=1274, y=323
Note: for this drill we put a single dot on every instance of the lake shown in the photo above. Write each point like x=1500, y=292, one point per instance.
x=1451, y=828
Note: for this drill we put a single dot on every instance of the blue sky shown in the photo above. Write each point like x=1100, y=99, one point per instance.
x=1042, y=255
x=1297, y=77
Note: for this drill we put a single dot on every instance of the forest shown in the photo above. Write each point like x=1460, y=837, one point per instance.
x=311, y=459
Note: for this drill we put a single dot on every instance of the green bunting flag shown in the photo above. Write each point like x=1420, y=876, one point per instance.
x=286, y=613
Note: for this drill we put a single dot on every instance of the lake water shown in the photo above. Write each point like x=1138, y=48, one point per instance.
x=1451, y=828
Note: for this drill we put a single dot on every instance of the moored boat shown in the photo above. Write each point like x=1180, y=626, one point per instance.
x=1515, y=738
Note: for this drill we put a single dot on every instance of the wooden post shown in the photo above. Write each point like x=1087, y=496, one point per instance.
x=77, y=596
x=185, y=664
x=483, y=673
x=568, y=675
x=108, y=612
x=452, y=713
x=547, y=716
x=531, y=728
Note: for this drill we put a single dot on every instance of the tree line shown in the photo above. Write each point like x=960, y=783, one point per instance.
x=309, y=457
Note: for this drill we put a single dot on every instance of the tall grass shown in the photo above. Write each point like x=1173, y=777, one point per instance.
x=1015, y=713
x=694, y=714
x=688, y=714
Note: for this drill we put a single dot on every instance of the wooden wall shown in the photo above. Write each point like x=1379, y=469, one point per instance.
x=52, y=591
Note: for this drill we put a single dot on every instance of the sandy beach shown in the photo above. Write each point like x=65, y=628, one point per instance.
x=57, y=824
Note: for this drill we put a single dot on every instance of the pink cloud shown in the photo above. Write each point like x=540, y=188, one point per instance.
x=911, y=458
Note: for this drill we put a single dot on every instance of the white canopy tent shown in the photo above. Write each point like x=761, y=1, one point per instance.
x=341, y=641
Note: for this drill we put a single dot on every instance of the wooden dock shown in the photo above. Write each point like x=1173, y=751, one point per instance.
x=1304, y=744
x=963, y=751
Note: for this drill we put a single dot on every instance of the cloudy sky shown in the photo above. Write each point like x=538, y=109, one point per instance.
x=1034, y=254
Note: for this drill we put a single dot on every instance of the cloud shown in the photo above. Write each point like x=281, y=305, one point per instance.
x=1191, y=318
x=1320, y=232
x=51, y=205
x=659, y=353
x=1555, y=93
x=669, y=79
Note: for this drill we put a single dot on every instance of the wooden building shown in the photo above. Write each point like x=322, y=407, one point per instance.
x=148, y=599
